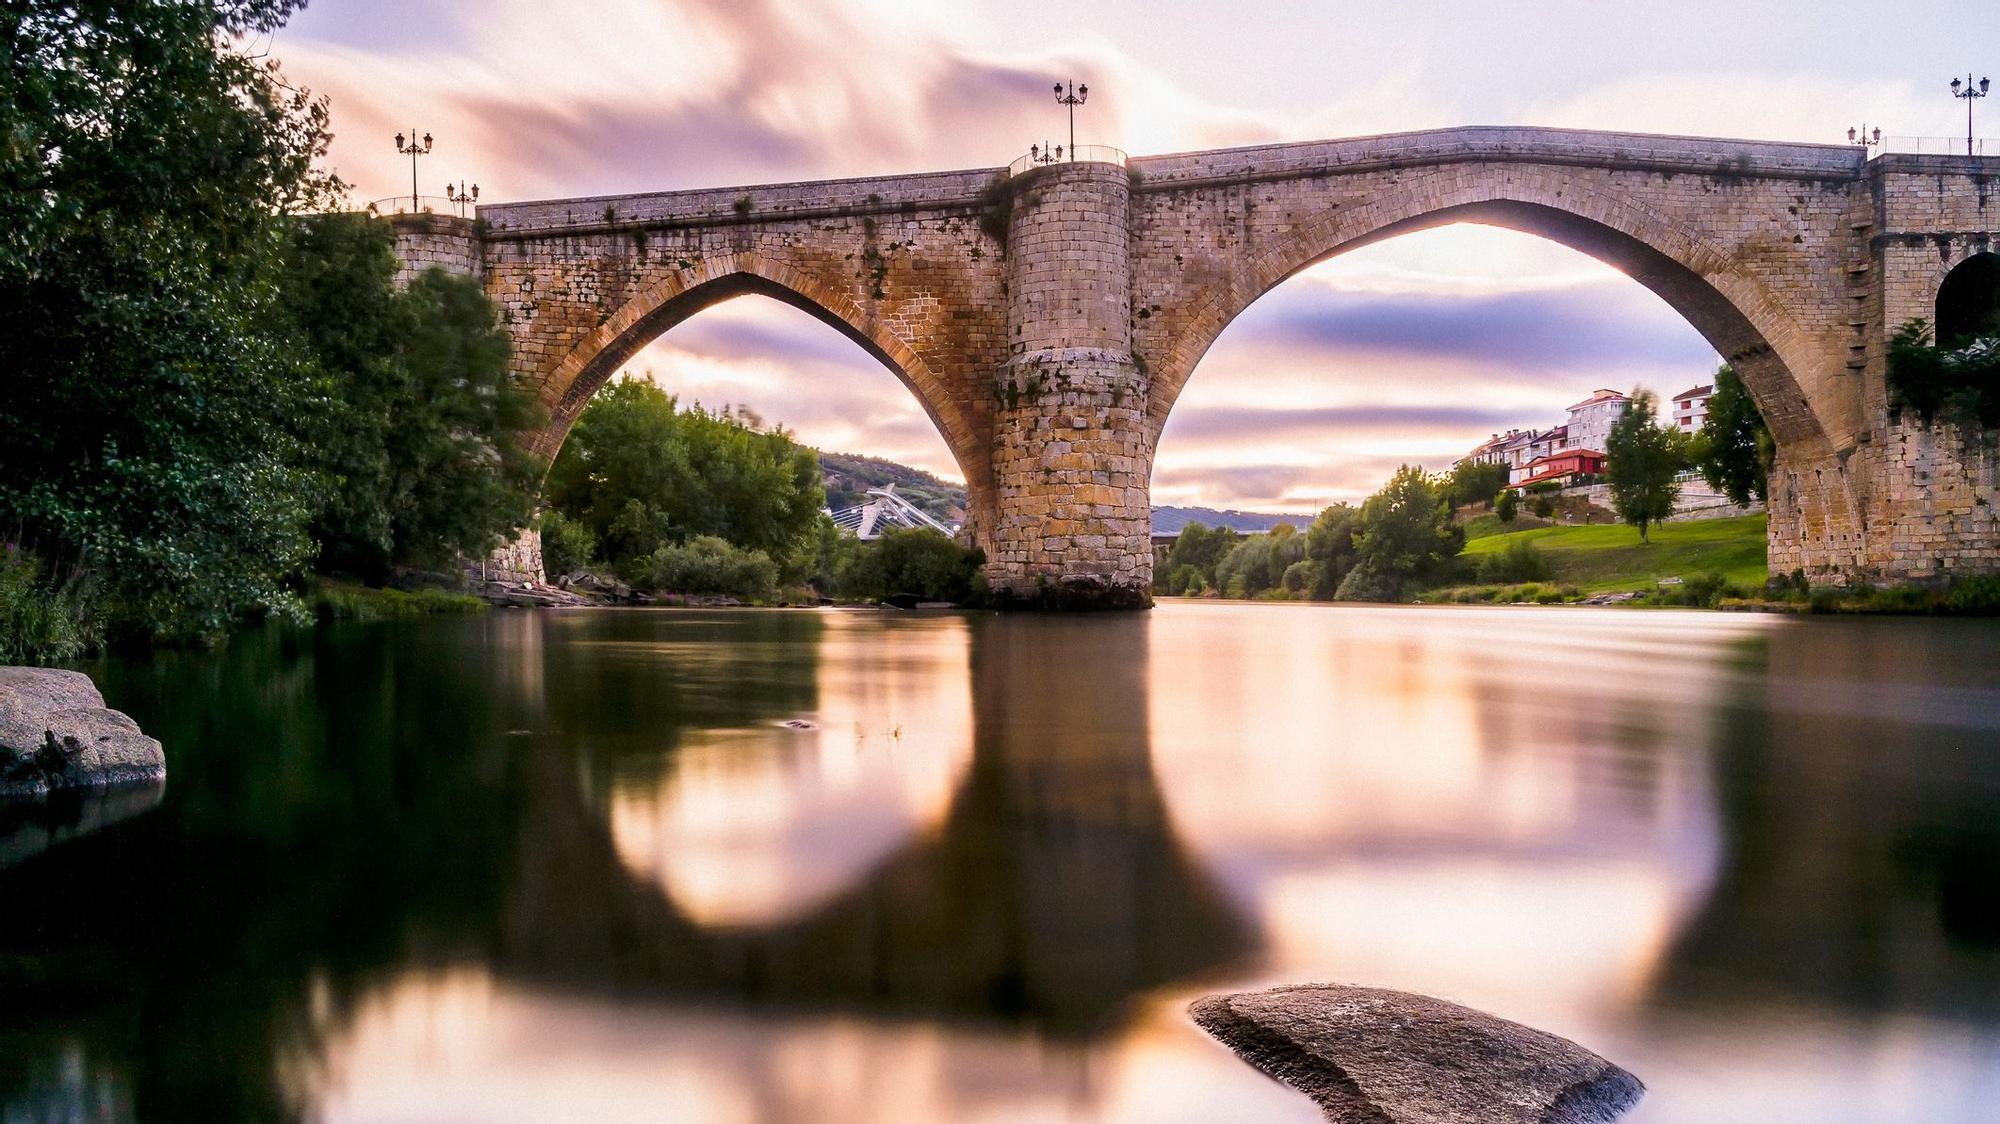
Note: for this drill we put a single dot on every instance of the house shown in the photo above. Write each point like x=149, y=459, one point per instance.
x=1567, y=467
x=1487, y=452
x=1590, y=420
x=1691, y=408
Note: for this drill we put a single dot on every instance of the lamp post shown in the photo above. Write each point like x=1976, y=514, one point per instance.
x=1043, y=154
x=1863, y=137
x=413, y=150
x=1970, y=92
x=1075, y=97
x=459, y=198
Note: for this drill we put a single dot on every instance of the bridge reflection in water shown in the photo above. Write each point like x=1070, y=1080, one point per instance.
x=550, y=866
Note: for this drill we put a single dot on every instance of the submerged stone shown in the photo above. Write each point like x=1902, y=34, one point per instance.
x=56, y=734
x=1372, y=1056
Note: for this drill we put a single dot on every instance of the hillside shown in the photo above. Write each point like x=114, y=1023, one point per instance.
x=1607, y=558
x=848, y=477
x=1170, y=520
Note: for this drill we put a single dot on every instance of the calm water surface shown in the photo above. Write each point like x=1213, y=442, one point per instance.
x=850, y=866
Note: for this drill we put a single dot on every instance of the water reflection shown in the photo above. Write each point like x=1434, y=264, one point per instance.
x=544, y=865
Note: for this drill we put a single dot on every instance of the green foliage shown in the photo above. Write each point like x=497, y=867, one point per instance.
x=420, y=449
x=343, y=601
x=1520, y=562
x=1471, y=482
x=1734, y=449
x=42, y=620
x=1199, y=548
x=1979, y=596
x=1405, y=536
x=1959, y=385
x=706, y=564
x=567, y=545
x=641, y=473
x=1641, y=459
x=916, y=562
x=1330, y=547
x=145, y=175
x=1258, y=562
x=1366, y=583
x=1507, y=505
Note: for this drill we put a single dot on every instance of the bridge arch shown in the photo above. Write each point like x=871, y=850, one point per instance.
x=1968, y=298
x=657, y=308
x=1733, y=311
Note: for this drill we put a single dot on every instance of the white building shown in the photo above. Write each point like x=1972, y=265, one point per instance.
x=1590, y=420
x=1691, y=408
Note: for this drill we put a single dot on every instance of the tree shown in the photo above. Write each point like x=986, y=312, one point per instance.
x=420, y=447
x=1258, y=562
x=1201, y=548
x=1330, y=546
x=1507, y=505
x=1404, y=537
x=1471, y=482
x=917, y=562
x=1733, y=448
x=1642, y=458
x=146, y=172
x=641, y=473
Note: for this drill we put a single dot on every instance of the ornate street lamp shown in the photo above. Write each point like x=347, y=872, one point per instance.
x=1968, y=93
x=1075, y=97
x=1863, y=137
x=459, y=198
x=413, y=150
x=1043, y=154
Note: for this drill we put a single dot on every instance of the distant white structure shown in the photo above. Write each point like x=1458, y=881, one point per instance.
x=1691, y=407
x=1590, y=420
x=885, y=511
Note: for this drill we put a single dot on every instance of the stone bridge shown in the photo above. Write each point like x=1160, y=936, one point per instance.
x=1048, y=321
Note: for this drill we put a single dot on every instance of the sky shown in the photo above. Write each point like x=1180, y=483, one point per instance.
x=1410, y=350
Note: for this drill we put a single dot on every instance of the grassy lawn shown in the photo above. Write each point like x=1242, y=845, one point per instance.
x=1609, y=558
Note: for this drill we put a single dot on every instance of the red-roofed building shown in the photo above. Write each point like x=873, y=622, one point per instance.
x=1566, y=467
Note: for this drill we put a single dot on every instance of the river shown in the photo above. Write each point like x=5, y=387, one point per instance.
x=846, y=866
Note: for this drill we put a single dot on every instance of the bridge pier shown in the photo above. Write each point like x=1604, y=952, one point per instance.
x=1072, y=454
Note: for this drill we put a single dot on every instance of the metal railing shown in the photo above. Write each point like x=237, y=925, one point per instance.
x=1060, y=154
x=421, y=205
x=1940, y=146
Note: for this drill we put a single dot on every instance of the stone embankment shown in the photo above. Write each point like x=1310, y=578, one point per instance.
x=57, y=734
x=1371, y=1056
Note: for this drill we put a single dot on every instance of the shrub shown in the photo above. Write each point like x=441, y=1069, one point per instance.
x=1542, y=506
x=1365, y=583
x=568, y=545
x=42, y=621
x=1520, y=562
x=1507, y=505
x=918, y=563
x=1980, y=595
x=339, y=601
x=706, y=564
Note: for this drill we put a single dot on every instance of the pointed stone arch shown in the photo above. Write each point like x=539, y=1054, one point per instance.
x=1701, y=280
x=568, y=385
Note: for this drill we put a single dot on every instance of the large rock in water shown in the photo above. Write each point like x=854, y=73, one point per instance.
x=55, y=733
x=1370, y=1056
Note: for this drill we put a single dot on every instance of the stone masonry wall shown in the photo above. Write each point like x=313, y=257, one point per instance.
x=447, y=242
x=1072, y=456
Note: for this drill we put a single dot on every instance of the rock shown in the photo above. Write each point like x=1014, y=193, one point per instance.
x=1370, y=1056
x=55, y=733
